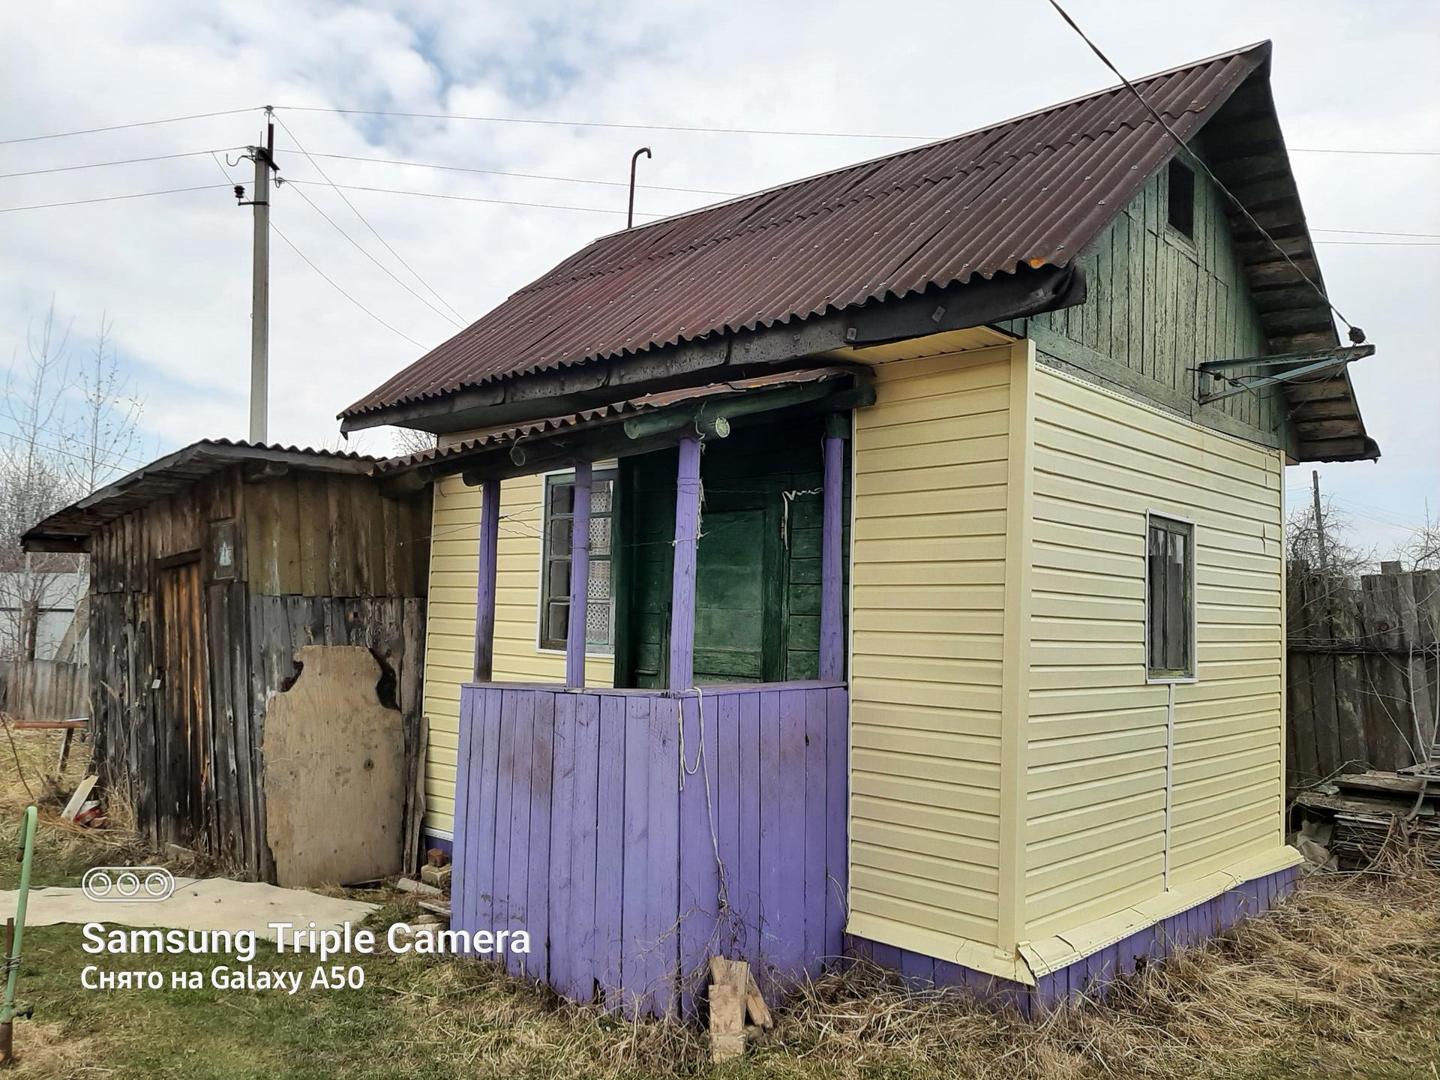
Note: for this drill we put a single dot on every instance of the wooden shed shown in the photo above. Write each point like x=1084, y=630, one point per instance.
x=210, y=569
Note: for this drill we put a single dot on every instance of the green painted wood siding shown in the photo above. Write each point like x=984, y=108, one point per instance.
x=1158, y=304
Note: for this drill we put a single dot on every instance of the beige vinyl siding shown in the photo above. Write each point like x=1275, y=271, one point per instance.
x=927, y=595
x=1097, y=733
x=450, y=634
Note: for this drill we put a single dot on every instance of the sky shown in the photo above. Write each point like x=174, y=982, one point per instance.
x=172, y=272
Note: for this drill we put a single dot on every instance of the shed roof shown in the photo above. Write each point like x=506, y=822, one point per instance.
x=67, y=529
x=1031, y=191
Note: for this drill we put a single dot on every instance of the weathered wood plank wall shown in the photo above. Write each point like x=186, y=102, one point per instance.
x=44, y=689
x=294, y=535
x=1363, y=672
x=1158, y=304
x=609, y=824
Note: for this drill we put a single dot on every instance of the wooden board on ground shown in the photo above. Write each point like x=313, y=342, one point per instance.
x=334, y=772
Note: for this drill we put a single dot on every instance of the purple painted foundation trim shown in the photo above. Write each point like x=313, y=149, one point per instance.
x=1093, y=975
x=579, y=578
x=682, y=595
x=832, y=638
x=485, y=587
x=593, y=820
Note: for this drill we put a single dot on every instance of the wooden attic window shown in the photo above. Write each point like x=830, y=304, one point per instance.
x=1180, y=202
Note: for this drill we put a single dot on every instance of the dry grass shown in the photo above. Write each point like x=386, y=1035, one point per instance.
x=63, y=849
x=1342, y=981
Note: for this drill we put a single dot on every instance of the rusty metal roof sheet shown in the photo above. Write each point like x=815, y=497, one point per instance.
x=172, y=473
x=1030, y=191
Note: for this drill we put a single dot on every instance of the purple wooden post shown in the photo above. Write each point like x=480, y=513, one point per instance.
x=485, y=588
x=682, y=592
x=832, y=637
x=579, y=578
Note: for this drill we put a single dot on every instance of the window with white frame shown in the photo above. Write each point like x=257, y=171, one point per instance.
x=555, y=590
x=1169, y=598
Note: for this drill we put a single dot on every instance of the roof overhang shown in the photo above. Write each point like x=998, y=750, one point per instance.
x=635, y=425
x=70, y=529
x=516, y=399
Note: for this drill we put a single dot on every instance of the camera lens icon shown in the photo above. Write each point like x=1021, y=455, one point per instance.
x=122, y=884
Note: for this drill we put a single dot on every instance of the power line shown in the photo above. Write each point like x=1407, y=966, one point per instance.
x=1380, y=232
x=121, y=127
x=1378, y=243
x=1379, y=153
x=525, y=176
x=695, y=128
x=111, y=198
x=1356, y=335
x=341, y=291
x=24, y=439
x=356, y=244
x=473, y=198
x=374, y=232
x=611, y=126
x=123, y=161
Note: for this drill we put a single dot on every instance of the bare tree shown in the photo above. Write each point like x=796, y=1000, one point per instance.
x=67, y=429
x=1422, y=550
x=104, y=434
x=405, y=441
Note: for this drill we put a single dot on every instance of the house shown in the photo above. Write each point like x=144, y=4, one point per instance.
x=38, y=607
x=43, y=637
x=212, y=569
x=888, y=563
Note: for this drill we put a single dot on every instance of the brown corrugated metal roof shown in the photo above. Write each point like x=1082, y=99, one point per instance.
x=1030, y=191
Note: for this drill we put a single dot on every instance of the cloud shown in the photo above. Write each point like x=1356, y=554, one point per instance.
x=174, y=271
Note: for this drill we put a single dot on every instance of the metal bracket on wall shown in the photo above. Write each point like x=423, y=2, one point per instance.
x=1297, y=366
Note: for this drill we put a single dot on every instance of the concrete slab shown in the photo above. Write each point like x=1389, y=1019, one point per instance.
x=197, y=904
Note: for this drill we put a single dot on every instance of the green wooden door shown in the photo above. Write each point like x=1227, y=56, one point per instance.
x=738, y=589
x=757, y=604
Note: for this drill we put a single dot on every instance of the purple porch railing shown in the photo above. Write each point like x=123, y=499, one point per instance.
x=635, y=833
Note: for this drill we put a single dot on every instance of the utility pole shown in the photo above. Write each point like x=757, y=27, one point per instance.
x=264, y=158
x=1319, y=519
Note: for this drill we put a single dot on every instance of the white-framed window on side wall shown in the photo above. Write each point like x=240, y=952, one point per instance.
x=1169, y=599
x=555, y=562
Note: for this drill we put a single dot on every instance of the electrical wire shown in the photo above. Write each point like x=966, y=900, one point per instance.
x=110, y=198
x=473, y=198
x=522, y=175
x=1356, y=335
x=610, y=126
x=341, y=291
x=1378, y=153
x=23, y=439
x=393, y=276
x=122, y=161
x=1380, y=232
x=122, y=127
x=375, y=232
x=1377, y=243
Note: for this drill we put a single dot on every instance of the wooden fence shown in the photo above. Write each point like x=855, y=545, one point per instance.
x=44, y=690
x=1364, y=671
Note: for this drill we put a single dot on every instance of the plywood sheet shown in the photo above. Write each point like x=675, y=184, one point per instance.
x=334, y=772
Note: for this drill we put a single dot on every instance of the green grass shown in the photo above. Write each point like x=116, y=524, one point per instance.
x=1343, y=982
